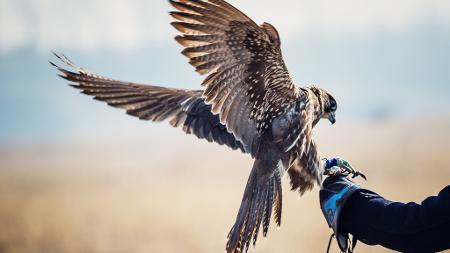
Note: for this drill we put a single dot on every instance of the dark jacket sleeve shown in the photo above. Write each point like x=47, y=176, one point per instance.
x=405, y=227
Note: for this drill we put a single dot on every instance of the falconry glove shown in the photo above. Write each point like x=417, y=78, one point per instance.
x=336, y=190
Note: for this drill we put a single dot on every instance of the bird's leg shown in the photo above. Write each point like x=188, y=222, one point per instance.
x=338, y=166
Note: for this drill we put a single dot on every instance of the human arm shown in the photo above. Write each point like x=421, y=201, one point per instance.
x=405, y=227
x=370, y=218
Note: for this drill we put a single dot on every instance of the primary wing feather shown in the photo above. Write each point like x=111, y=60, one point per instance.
x=182, y=108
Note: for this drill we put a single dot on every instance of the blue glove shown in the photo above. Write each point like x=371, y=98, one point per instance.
x=336, y=190
x=334, y=193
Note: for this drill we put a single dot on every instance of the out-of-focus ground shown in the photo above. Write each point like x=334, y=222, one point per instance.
x=167, y=192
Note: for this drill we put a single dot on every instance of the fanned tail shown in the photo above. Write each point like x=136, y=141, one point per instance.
x=262, y=196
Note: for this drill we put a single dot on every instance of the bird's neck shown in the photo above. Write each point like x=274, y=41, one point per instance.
x=317, y=104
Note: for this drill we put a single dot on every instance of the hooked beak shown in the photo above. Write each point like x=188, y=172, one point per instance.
x=332, y=117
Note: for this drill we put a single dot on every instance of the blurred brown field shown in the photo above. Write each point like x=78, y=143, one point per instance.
x=167, y=192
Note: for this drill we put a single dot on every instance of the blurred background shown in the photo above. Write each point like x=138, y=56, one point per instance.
x=78, y=176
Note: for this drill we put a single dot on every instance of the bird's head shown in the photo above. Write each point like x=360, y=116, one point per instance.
x=327, y=105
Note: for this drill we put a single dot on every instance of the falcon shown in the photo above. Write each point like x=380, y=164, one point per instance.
x=248, y=102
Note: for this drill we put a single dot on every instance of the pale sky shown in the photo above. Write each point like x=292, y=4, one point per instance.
x=382, y=60
x=131, y=24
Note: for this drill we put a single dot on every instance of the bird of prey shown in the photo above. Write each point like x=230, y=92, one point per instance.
x=248, y=102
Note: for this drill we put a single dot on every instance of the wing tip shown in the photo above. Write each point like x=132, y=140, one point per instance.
x=64, y=59
x=181, y=39
x=53, y=64
x=179, y=26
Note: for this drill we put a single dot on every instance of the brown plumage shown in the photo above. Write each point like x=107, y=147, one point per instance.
x=249, y=102
x=181, y=108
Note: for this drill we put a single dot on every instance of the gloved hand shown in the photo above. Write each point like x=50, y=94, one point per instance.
x=336, y=190
x=339, y=166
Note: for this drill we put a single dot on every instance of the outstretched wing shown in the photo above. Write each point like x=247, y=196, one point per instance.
x=247, y=83
x=182, y=108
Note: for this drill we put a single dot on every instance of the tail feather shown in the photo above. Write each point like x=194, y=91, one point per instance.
x=268, y=210
x=262, y=196
x=278, y=202
x=255, y=210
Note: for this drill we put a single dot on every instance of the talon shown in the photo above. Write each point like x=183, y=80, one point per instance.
x=348, y=167
x=338, y=166
x=359, y=173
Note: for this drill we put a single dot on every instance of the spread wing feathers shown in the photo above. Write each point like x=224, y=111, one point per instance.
x=262, y=196
x=182, y=108
x=248, y=83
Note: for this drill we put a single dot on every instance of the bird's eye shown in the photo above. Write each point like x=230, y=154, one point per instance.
x=333, y=105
